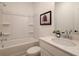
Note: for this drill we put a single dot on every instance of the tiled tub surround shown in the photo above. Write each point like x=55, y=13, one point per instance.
x=16, y=21
x=73, y=50
x=17, y=47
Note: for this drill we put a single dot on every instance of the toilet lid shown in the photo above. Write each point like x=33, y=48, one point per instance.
x=34, y=49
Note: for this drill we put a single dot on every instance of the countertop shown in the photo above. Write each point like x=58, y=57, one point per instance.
x=70, y=49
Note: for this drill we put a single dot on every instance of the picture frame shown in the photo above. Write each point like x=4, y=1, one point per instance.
x=45, y=18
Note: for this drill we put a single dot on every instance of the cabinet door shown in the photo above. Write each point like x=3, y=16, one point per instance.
x=44, y=52
x=53, y=50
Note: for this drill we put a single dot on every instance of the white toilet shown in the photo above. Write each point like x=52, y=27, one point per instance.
x=33, y=51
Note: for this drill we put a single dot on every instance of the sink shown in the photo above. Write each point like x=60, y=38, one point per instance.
x=63, y=41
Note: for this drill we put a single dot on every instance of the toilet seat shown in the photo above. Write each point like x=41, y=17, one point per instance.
x=33, y=50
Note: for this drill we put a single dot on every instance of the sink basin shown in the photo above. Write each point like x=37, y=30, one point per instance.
x=63, y=41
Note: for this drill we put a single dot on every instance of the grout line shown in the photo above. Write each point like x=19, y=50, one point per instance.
x=17, y=14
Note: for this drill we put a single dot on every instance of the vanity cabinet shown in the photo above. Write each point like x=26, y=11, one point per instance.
x=51, y=50
x=45, y=52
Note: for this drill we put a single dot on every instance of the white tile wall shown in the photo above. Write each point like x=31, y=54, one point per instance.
x=20, y=19
x=64, y=16
x=40, y=8
x=20, y=15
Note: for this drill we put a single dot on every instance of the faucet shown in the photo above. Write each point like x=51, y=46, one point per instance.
x=2, y=46
x=2, y=39
x=2, y=35
x=57, y=33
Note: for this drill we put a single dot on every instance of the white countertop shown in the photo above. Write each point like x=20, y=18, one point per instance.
x=70, y=49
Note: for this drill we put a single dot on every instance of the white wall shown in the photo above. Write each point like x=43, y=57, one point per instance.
x=67, y=16
x=0, y=19
x=64, y=16
x=20, y=17
x=40, y=8
x=76, y=15
x=0, y=22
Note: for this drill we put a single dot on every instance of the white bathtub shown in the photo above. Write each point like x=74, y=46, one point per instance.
x=17, y=47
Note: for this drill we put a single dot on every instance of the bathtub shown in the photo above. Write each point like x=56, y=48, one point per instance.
x=17, y=47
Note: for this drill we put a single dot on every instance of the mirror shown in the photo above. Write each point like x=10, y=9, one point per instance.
x=67, y=16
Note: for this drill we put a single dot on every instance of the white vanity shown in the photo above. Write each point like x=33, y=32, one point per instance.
x=52, y=46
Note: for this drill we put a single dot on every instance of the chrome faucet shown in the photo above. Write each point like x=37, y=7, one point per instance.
x=2, y=46
x=2, y=35
x=2, y=39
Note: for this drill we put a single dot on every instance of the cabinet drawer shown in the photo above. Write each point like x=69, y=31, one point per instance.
x=53, y=50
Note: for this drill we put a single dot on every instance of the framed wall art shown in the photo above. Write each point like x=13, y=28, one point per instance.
x=45, y=18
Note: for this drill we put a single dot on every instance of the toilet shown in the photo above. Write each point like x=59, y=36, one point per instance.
x=33, y=51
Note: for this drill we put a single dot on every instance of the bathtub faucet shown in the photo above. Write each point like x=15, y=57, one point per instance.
x=2, y=46
x=2, y=37
x=1, y=33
